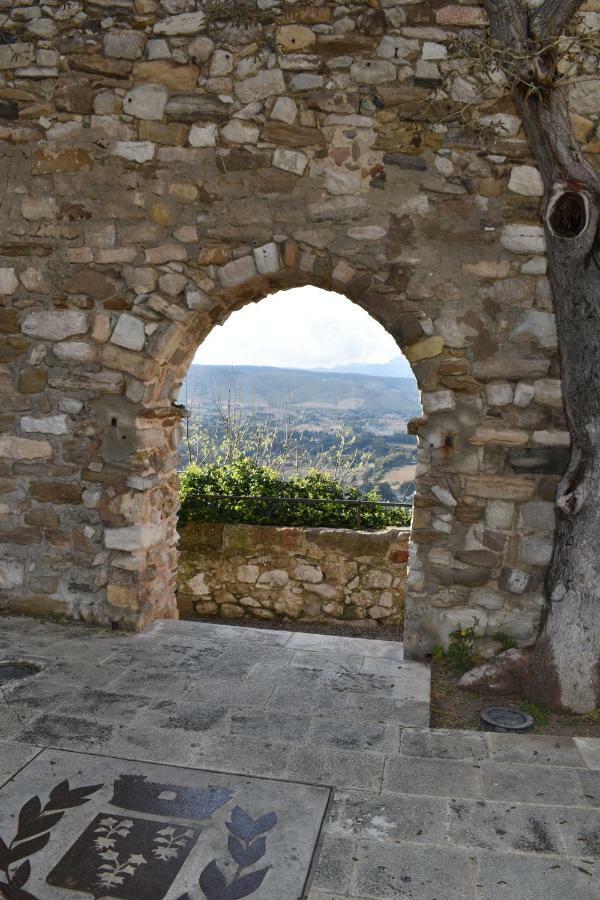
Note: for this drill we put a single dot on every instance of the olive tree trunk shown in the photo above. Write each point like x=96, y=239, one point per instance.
x=564, y=671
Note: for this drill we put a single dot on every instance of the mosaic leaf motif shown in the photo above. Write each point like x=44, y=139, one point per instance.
x=247, y=846
x=33, y=833
x=109, y=830
x=246, y=856
x=112, y=873
x=170, y=841
x=242, y=886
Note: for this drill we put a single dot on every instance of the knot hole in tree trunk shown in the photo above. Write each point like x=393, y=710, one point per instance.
x=568, y=214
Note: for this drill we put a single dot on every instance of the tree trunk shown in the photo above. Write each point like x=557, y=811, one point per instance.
x=565, y=666
x=565, y=670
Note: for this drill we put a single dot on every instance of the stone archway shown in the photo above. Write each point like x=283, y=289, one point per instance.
x=131, y=428
x=232, y=160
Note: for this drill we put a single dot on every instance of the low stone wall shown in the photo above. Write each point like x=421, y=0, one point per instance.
x=308, y=574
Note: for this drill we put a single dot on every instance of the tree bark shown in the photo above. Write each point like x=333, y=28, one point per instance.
x=565, y=666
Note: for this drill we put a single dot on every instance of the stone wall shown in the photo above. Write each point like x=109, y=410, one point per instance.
x=307, y=574
x=160, y=169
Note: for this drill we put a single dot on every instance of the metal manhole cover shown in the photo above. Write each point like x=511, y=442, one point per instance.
x=14, y=671
x=505, y=719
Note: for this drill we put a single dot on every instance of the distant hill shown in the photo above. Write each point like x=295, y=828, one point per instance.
x=395, y=368
x=331, y=392
x=374, y=409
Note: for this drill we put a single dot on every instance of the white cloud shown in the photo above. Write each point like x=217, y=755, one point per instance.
x=300, y=328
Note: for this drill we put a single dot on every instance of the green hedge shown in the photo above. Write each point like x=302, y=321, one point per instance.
x=244, y=477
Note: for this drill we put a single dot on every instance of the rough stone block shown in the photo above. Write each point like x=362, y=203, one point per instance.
x=267, y=259
x=121, y=596
x=293, y=38
x=12, y=574
x=203, y=135
x=16, y=55
x=526, y=180
x=284, y=110
x=501, y=487
x=538, y=326
x=147, y=101
x=266, y=84
x=240, y=132
x=584, y=96
x=290, y=161
x=523, y=238
x=373, y=71
x=462, y=16
x=184, y=24
x=425, y=349
x=56, y=325
x=238, y=272
x=135, y=151
x=129, y=332
x=134, y=537
x=46, y=425
x=123, y=44
x=54, y=160
x=9, y=282
x=23, y=448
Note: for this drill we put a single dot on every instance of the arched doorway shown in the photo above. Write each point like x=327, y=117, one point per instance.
x=240, y=283
x=297, y=417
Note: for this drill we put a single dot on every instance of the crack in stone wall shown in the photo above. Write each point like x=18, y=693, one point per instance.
x=161, y=170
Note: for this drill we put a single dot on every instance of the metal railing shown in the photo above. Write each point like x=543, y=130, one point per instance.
x=306, y=501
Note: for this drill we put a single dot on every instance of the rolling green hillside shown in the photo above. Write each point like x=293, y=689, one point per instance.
x=307, y=409
x=330, y=392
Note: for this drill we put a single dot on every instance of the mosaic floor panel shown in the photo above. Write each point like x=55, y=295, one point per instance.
x=76, y=825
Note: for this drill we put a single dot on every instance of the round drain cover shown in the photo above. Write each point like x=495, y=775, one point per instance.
x=506, y=719
x=13, y=671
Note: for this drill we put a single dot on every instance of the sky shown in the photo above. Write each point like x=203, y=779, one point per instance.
x=303, y=328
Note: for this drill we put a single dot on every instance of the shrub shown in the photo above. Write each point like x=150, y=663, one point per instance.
x=508, y=642
x=243, y=477
x=460, y=655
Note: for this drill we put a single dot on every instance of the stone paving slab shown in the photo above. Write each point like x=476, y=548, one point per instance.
x=432, y=777
x=536, y=784
x=542, y=749
x=504, y=826
x=416, y=812
x=131, y=830
x=13, y=756
x=590, y=750
x=406, y=870
x=509, y=876
x=387, y=817
x=444, y=744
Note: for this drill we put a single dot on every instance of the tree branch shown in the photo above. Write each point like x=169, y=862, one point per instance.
x=550, y=19
x=508, y=22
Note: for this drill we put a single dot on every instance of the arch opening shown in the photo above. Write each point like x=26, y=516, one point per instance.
x=297, y=468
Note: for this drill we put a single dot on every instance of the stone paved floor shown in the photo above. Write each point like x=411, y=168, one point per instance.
x=417, y=813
